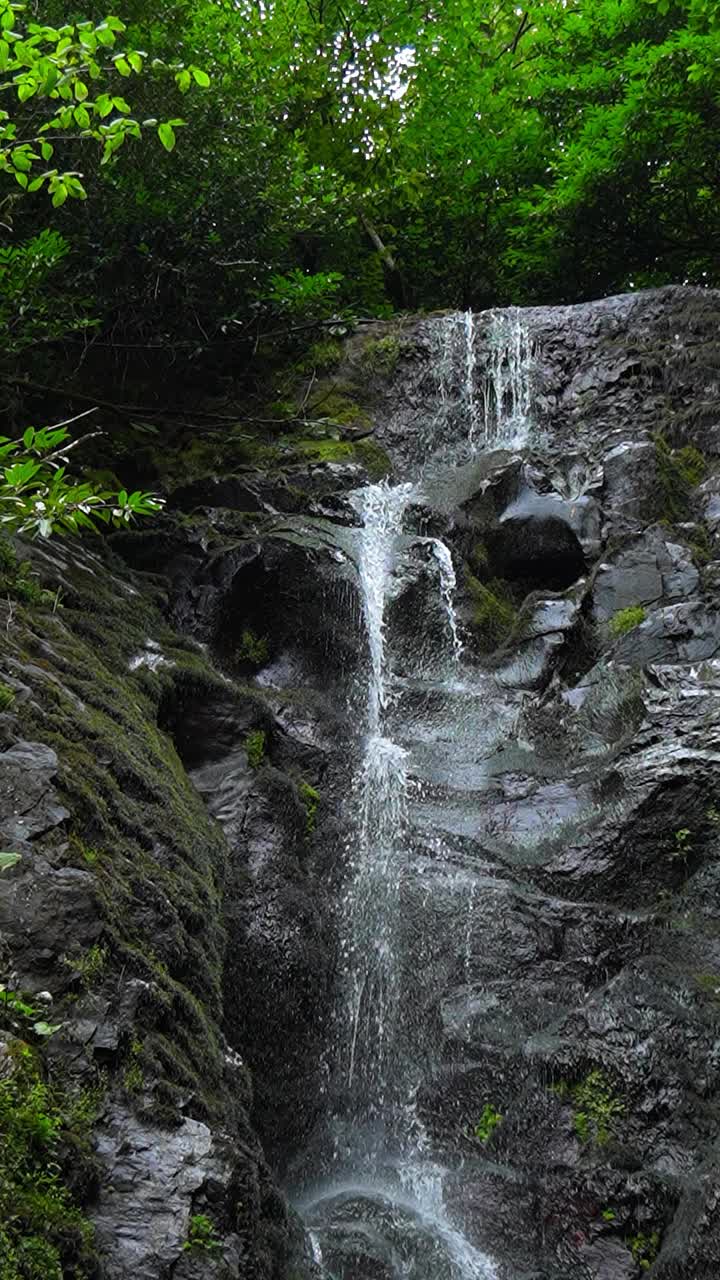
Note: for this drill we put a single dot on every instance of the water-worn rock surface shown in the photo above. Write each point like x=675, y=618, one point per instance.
x=182, y=770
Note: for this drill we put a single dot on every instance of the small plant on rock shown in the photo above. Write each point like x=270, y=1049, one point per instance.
x=644, y=1249
x=487, y=1124
x=255, y=748
x=627, y=619
x=682, y=844
x=201, y=1234
x=7, y=696
x=87, y=966
x=596, y=1109
x=134, y=1076
x=311, y=799
x=252, y=649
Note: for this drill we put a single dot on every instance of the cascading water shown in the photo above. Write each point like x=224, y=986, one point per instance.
x=484, y=398
x=371, y=904
x=506, y=391
x=378, y=1206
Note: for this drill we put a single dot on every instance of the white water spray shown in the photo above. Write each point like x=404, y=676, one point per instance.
x=448, y=584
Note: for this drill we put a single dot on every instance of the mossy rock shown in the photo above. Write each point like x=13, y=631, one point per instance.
x=495, y=614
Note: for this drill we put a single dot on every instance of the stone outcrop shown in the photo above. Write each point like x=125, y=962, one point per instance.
x=175, y=768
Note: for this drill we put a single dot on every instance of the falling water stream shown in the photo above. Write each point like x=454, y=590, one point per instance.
x=377, y=1206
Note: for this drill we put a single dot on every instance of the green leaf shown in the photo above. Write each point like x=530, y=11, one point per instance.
x=81, y=90
x=60, y=196
x=166, y=134
x=123, y=66
x=46, y=150
x=8, y=860
x=135, y=61
x=201, y=77
x=45, y=1029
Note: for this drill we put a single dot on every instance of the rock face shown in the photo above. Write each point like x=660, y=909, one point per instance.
x=176, y=772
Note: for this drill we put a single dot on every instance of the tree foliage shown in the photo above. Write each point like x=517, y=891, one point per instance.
x=344, y=158
x=38, y=496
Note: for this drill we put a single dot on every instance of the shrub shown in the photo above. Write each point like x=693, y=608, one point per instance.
x=201, y=1234
x=43, y=1232
x=627, y=619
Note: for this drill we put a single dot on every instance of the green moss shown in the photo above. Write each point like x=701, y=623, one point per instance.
x=627, y=619
x=44, y=1138
x=489, y=1121
x=252, y=649
x=322, y=357
x=479, y=558
x=596, y=1108
x=374, y=458
x=495, y=615
x=336, y=408
x=87, y=966
x=311, y=799
x=7, y=696
x=366, y=451
x=255, y=748
x=324, y=450
x=380, y=355
x=679, y=471
x=133, y=1075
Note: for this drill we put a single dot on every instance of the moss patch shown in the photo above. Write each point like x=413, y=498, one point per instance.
x=627, y=619
x=679, y=472
x=255, y=747
x=597, y=1109
x=495, y=615
x=322, y=357
x=380, y=355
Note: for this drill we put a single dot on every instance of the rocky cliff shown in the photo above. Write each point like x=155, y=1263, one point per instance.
x=180, y=734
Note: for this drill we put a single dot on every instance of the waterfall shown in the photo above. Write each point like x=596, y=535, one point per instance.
x=506, y=389
x=448, y=583
x=482, y=366
x=470, y=361
x=406, y=904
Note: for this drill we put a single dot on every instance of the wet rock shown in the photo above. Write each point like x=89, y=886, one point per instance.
x=630, y=474
x=29, y=805
x=42, y=909
x=676, y=633
x=155, y=1179
x=647, y=571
